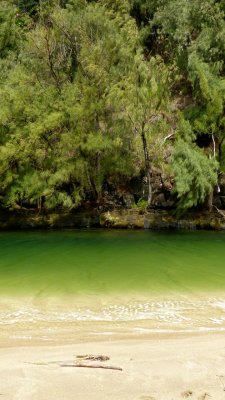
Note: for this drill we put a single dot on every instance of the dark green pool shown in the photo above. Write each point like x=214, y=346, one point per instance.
x=106, y=262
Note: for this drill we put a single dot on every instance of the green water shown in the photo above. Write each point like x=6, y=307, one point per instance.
x=77, y=285
x=107, y=262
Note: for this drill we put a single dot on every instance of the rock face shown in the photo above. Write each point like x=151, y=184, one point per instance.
x=163, y=196
x=22, y=219
x=118, y=219
x=161, y=220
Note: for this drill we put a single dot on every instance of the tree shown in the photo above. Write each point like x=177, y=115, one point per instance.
x=63, y=135
x=90, y=92
x=9, y=38
x=191, y=37
x=143, y=100
x=195, y=175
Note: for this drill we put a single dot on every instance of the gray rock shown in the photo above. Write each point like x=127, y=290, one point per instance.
x=128, y=200
x=159, y=200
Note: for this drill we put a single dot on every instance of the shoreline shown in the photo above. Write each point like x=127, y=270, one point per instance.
x=89, y=316
x=121, y=218
x=55, y=320
x=158, y=368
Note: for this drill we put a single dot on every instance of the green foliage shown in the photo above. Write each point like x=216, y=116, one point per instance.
x=28, y=6
x=60, y=135
x=9, y=38
x=8, y=29
x=195, y=174
x=142, y=205
x=83, y=82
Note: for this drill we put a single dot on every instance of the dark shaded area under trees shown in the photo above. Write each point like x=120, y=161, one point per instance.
x=112, y=103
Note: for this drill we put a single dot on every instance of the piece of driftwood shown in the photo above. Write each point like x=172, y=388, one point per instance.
x=74, y=365
x=89, y=357
x=82, y=361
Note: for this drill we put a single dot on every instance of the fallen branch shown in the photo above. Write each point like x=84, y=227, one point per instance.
x=91, y=366
x=82, y=362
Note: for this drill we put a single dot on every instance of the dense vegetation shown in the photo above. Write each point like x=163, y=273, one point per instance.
x=96, y=94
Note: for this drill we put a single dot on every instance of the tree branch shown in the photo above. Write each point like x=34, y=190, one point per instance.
x=214, y=146
x=168, y=137
x=91, y=366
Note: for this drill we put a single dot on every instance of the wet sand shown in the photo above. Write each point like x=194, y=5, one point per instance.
x=159, y=366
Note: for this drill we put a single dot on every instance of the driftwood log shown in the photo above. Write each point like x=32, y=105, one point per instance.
x=83, y=361
x=74, y=365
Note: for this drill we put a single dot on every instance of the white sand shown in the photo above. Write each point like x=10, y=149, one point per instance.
x=154, y=367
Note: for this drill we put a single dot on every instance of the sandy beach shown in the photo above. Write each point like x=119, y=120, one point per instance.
x=159, y=367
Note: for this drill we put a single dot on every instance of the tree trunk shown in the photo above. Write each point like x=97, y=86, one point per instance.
x=147, y=166
x=209, y=201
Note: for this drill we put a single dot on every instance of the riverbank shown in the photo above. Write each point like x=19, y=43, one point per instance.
x=158, y=367
x=114, y=219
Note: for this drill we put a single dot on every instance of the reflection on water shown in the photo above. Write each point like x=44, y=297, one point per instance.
x=136, y=282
